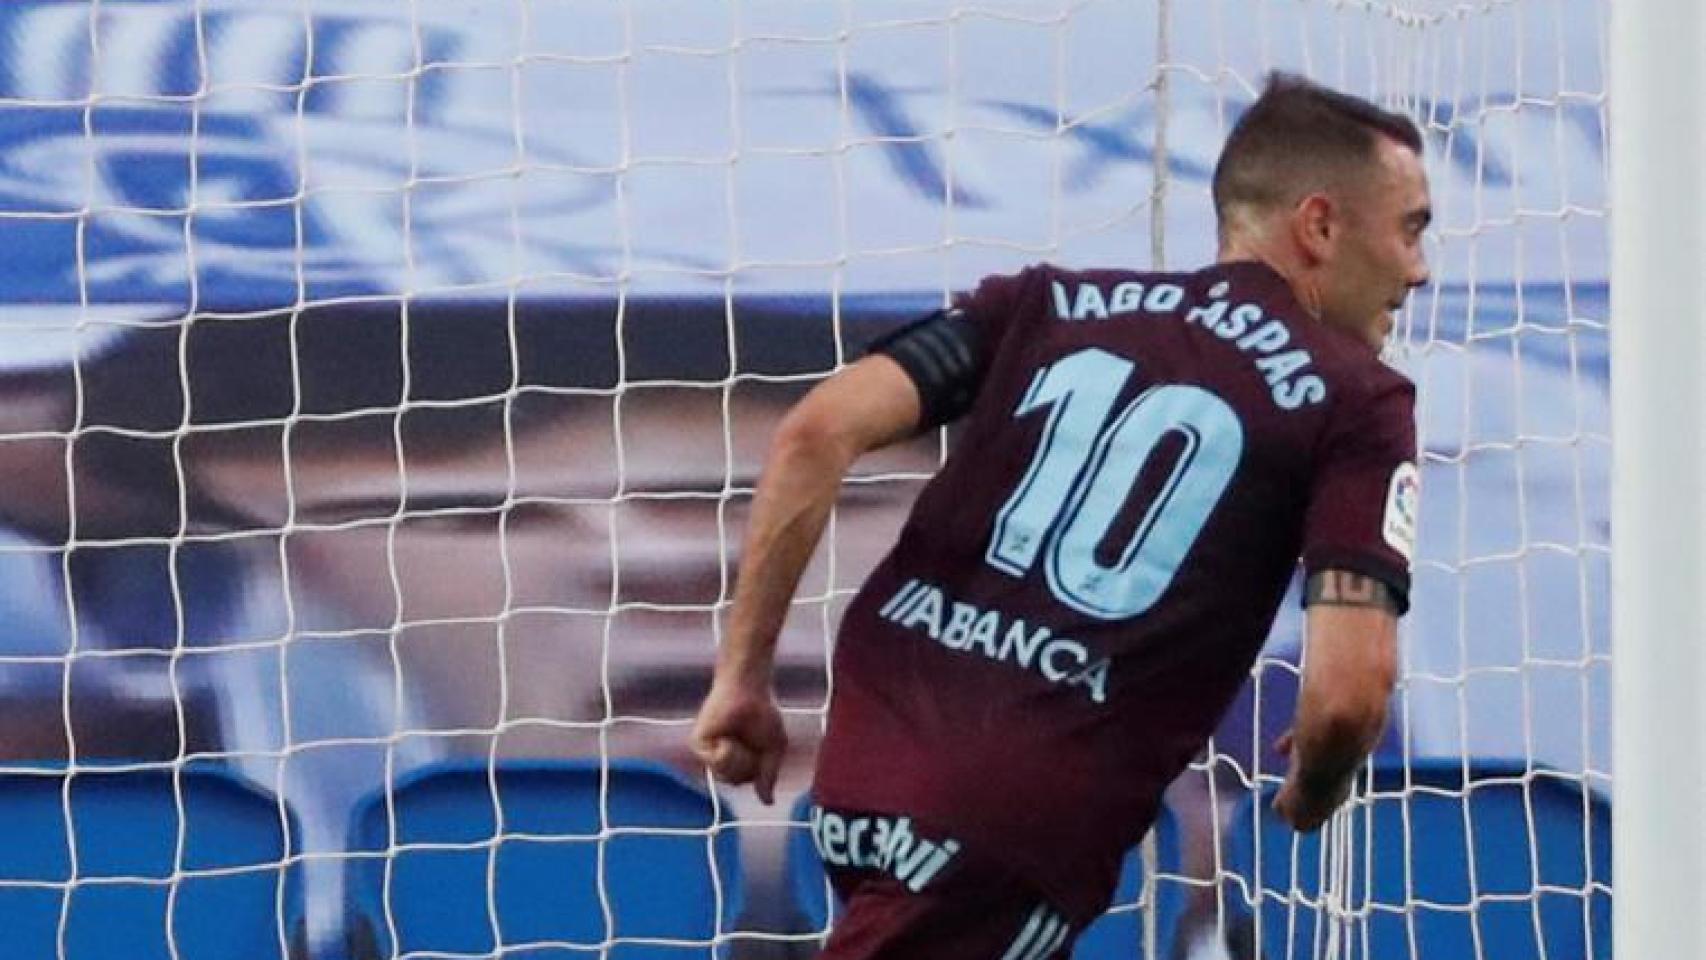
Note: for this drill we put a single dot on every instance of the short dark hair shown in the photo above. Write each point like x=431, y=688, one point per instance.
x=1296, y=138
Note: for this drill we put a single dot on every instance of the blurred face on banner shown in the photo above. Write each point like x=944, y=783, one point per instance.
x=581, y=618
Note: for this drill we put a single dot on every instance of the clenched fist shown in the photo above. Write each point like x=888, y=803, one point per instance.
x=739, y=736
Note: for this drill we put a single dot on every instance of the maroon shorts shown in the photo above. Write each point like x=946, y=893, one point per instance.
x=909, y=893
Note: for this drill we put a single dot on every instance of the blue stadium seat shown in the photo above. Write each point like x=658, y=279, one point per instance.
x=588, y=856
x=145, y=882
x=1118, y=934
x=806, y=880
x=1450, y=878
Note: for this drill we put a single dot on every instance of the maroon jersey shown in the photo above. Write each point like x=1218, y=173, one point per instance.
x=1078, y=594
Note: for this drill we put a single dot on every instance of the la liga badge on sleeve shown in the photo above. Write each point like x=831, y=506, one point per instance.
x=1403, y=499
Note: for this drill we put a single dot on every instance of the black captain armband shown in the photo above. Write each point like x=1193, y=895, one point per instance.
x=943, y=354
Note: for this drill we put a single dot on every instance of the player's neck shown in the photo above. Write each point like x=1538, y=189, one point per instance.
x=1236, y=249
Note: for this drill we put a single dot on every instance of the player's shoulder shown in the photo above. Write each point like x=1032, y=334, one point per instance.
x=1366, y=396
x=1360, y=373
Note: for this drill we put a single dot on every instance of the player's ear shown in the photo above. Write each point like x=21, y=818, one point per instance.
x=1314, y=228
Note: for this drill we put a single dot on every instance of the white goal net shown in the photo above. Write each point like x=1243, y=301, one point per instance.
x=383, y=384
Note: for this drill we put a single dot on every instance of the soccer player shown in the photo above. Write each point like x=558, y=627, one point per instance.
x=1079, y=593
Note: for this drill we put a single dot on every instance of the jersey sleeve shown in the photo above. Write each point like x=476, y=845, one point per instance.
x=1366, y=492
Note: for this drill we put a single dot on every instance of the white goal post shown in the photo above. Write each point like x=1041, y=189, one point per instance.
x=1658, y=180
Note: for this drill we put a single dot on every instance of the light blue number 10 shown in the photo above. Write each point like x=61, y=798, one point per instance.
x=1083, y=473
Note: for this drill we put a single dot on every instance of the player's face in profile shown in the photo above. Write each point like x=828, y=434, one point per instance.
x=1381, y=258
x=582, y=618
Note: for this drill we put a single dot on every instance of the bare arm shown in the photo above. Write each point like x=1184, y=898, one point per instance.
x=1349, y=670
x=867, y=405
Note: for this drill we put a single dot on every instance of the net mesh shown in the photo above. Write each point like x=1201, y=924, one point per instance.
x=386, y=383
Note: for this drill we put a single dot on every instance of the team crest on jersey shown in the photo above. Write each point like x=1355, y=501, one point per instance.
x=1403, y=500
